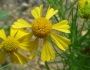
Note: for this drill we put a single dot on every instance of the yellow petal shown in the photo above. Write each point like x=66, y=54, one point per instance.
x=47, y=52
x=26, y=46
x=2, y=34
x=13, y=32
x=34, y=48
x=21, y=34
x=32, y=56
x=2, y=57
x=13, y=58
x=25, y=43
x=22, y=59
x=60, y=41
x=37, y=11
x=18, y=34
x=50, y=13
x=62, y=26
x=26, y=38
x=21, y=23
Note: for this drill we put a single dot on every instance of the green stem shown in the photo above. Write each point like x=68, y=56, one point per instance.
x=46, y=64
x=81, y=29
x=8, y=65
x=56, y=19
x=83, y=37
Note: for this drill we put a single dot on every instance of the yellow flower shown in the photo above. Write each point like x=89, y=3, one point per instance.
x=42, y=28
x=84, y=8
x=10, y=46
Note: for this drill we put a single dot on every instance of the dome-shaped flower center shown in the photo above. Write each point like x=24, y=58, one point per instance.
x=10, y=44
x=41, y=27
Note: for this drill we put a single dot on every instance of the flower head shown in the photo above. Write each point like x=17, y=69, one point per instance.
x=84, y=8
x=11, y=44
x=41, y=28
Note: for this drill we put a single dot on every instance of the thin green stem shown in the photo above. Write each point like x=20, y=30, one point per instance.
x=56, y=19
x=83, y=37
x=81, y=29
x=46, y=64
x=8, y=65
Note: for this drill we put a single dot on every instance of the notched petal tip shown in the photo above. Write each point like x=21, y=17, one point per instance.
x=22, y=58
x=50, y=12
x=61, y=42
x=37, y=11
x=62, y=26
x=47, y=53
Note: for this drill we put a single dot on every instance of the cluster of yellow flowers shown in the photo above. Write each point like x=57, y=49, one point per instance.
x=84, y=8
x=41, y=28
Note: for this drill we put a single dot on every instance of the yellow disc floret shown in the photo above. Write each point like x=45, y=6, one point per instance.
x=41, y=27
x=10, y=45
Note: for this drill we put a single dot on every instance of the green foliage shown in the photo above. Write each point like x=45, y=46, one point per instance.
x=4, y=15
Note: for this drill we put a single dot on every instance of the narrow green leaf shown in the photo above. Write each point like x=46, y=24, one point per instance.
x=4, y=15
